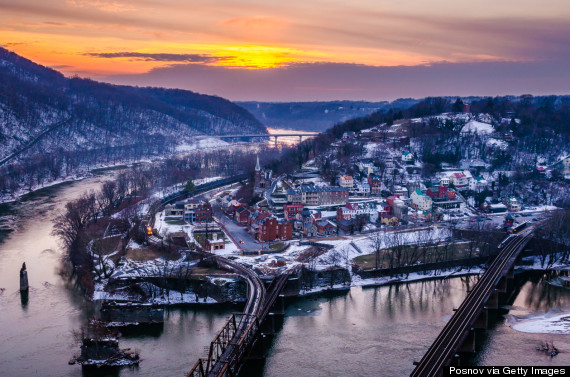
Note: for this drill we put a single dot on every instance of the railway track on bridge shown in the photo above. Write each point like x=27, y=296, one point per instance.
x=240, y=333
x=457, y=329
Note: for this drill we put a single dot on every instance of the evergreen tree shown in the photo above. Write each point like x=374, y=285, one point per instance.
x=189, y=187
x=458, y=106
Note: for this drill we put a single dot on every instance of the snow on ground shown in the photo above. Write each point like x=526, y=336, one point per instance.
x=164, y=228
x=328, y=214
x=141, y=208
x=202, y=181
x=364, y=242
x=318, y=181
x=497, y=143
x=343, y=246
x=171, y=298
x=554, y=322
x=17, y=194
x=544, y=208
x=371, y=149
x=202, y=143
x=414, y=276
x=479, y=128
x=133, y=245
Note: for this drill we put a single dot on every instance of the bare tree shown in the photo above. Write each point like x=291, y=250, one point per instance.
x=377, y=244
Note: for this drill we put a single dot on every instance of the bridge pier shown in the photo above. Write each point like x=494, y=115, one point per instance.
x=268, y=326
x=493, y=301
x=502, y=285
x=275, y=141
x=482, y=322
x=279, y=306
x=468, y=345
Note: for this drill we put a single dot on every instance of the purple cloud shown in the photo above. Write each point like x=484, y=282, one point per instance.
x=331, y=81
x=161, y=57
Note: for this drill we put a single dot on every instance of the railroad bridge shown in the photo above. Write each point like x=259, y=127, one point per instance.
x=242, y=336
x=458, y=335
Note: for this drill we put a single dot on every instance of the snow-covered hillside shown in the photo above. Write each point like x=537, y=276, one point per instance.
x=39, y=106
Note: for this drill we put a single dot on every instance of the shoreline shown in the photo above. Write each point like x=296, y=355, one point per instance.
x=174, y=299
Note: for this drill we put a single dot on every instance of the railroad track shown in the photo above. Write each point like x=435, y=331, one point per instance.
x=456, y=330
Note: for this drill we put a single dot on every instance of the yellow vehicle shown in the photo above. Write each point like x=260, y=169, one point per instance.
x=149, y=230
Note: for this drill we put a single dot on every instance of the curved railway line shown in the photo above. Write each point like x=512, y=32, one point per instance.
x=237, y=338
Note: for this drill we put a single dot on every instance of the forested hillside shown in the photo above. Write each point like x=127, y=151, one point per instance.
x=317, y=116
x=50, y=125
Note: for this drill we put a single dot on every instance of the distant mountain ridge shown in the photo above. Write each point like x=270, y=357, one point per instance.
x=317, y=116
x=74, y=114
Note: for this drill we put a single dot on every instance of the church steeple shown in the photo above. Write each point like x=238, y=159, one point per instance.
x=257, y=167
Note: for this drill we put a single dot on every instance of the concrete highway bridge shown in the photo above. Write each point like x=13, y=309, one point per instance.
x=458, y=334
x=252, y=137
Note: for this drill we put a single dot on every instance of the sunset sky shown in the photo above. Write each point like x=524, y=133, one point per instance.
x=301, y=49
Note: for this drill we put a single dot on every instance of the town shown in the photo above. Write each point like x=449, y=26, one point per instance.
x=380, y=187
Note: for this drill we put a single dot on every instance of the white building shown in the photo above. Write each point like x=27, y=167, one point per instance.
x=366, y=167
x=478, y=184
x=351, y=210
x=421, y=201
x=460, y=179
x=346, y=181
x=362, y=189
x=407, y=156
x=513, y=204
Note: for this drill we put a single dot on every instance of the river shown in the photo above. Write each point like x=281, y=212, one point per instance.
x=365, y=332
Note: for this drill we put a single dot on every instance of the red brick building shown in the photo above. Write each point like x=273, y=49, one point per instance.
x=375, y=184
x=325, y=227
x=271, y=229
x=291, y=210
x=390, y=200
x=257, y=215
x=285, y=230
x=441, y=194
x=241, y=215
x=384, y=209
x=201, y=213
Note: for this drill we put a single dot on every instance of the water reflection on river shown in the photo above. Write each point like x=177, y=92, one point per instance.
x=37, y=337
x=367, y=332
x=381, y=331
x=364, y=332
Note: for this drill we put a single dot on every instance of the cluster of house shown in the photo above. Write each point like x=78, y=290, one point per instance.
x=194, y=210
x=388, y=212
x=265, y=226
x=262, y=224
x=509, y=204
x=312, y=195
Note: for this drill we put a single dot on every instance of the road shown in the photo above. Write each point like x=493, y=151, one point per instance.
x=32, y=142
x=238, y=232
x=451, y=337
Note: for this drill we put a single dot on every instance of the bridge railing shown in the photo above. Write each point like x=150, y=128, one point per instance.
x=239, y=332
